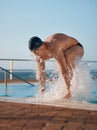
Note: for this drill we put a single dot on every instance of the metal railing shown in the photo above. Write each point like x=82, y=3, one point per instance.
x=7, y=71
x=11, y=69
x=5, y=77
x=11, y=61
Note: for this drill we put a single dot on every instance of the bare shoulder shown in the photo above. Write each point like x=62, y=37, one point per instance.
x=60, y=40
x=59, y=35
x=55, y=37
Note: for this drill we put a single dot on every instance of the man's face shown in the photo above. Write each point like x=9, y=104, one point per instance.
x=39, y=51
x=36, y=51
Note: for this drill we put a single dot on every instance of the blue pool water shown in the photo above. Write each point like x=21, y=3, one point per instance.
x=83, y=87
x=18, y=90
x=26, y=91
x=94, y=94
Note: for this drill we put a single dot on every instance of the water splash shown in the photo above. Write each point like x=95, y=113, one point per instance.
x=82, y=83
x=81, y=87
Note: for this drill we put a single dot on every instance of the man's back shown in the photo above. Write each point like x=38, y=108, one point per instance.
x=60, y=41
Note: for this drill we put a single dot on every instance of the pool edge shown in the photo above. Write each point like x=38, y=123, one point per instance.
x=74, y=105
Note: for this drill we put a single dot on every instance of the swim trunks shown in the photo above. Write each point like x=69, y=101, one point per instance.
x=79, y=45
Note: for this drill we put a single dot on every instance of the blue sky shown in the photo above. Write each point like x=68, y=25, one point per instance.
x=22, y=19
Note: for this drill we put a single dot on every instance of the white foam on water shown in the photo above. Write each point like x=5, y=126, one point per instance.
x=82, y=83
x=81, y=87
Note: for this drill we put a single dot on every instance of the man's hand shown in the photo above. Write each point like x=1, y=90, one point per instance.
x=42, y=90
x=67, y=96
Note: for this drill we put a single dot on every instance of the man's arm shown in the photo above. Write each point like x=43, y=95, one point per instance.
x=60, y=57
x=41, y=73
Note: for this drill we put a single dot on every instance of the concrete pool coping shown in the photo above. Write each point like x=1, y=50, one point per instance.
x=63, y=104
x=24, y=116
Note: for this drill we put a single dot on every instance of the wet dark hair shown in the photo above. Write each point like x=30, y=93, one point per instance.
x=34, y=43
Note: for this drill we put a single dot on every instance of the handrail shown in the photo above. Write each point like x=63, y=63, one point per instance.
x=16, y=59
x=16, y=76
x=8, y=59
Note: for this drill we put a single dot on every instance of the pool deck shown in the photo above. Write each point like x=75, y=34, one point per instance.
x=23, y=116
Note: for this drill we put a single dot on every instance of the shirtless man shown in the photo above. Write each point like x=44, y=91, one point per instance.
x=65, y=49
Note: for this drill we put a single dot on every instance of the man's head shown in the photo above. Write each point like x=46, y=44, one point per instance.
x=34, y=43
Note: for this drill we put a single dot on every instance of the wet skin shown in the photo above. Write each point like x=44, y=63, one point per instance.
x=64, y=50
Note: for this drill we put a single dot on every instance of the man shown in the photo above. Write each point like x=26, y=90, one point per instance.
x=63, y=48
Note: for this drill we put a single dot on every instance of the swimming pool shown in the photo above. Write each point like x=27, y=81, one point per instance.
x=25, y=91
x=18, y=90
x=83, y=91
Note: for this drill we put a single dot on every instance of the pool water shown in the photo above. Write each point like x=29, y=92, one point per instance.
x=18, y=90
x=83, y=88
x=25, y=91
x=94, y=94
